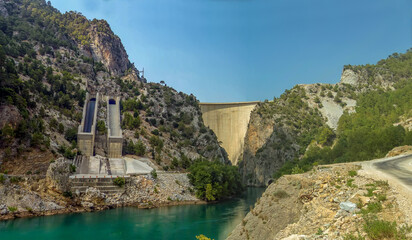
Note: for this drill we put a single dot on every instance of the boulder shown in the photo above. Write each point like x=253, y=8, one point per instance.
x=3, y=209
x=348, y=206
x=57, y=176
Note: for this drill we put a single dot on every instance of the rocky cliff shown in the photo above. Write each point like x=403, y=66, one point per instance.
x=48, y=62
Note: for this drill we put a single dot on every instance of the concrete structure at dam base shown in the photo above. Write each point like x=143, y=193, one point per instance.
x=229, y=121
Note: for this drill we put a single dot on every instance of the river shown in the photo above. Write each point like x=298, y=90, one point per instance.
x=175, y=222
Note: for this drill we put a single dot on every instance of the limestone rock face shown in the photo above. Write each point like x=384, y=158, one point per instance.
x=257, y=167
x=58, y=175
x=92, y=197
x=349, y=77
x=9, y=114
x=3, y=209
x=22, y=199
x=108, y=49
x=258, y=132
x=271, y=213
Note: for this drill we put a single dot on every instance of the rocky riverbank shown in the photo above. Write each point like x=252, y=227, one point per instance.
x=330, y=202
x=27, y=196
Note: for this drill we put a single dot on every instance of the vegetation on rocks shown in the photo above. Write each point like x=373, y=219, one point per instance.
x=119, y=181
x=368, y=133
x=395, y=68
x=49, y=60
x=359, y=118
x=169, y=124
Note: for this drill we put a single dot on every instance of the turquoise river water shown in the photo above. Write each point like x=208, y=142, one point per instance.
x=175, y=222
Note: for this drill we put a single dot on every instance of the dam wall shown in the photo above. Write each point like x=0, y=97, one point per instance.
x=87, y=128
x=229, y=121
x=114, y=131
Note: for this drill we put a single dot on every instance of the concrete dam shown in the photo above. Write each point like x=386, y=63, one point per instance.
x=229, y=121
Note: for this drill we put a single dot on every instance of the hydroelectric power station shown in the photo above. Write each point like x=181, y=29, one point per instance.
x=101, y=157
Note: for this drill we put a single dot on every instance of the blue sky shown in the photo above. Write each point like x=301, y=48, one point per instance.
x=246, y=50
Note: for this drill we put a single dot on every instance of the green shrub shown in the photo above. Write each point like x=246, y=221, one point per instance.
x=380, y=229
x=154, y=173
x=352, y=173
x=374, y=207
x=381, y=197
x=349, y=183
x=185, y=162
x=71, y=134
x=280, y=194
x=66, y=152
x=202, y=237
x=2, y=178
x=353, y=237
x=138, y=149
x=12, y=209
x=130, y=122
x=370, y=191
x=101, y=127
x=325, y=136
x=155, y=132
x=119, y=181
x=15, y=179
x=37, y=139
x=175, y=163
x=60, y=128
x=68, y=194
x=297, y=170
x=210, y=192
x=381, y=183
x=72, y=168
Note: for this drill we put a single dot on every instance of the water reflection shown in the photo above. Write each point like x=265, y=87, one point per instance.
x=177, y=222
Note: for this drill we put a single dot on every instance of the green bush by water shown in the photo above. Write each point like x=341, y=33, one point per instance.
x=214, y=180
